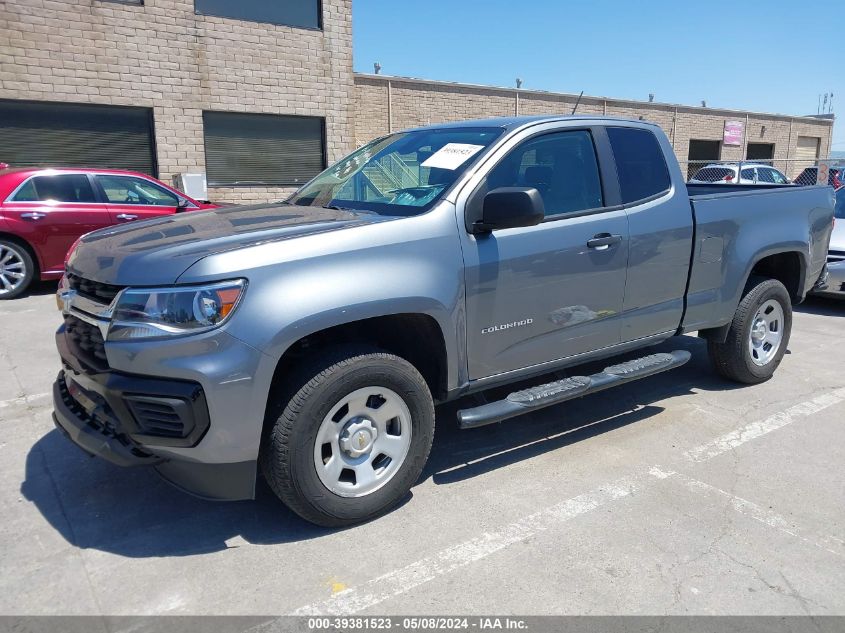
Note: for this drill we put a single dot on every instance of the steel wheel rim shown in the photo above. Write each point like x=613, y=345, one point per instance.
x=12, y=269
x=363, y=441
x=766, y=335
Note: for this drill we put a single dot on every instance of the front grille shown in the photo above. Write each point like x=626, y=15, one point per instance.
x=86, y=343
x=94, y=290
x=106, y=427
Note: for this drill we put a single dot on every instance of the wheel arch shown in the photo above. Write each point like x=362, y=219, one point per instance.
x=23, y=243
x=416, y=337
x=788, y=266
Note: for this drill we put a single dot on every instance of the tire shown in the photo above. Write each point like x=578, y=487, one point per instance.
x=743, y=357
x=299, y=451
x=15, y=260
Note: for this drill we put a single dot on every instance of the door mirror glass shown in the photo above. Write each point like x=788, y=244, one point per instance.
x=510, y=207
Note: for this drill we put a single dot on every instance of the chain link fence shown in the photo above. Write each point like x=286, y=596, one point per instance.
x=777, y=171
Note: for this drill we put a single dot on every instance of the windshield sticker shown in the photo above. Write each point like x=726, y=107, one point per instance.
x=451, y=155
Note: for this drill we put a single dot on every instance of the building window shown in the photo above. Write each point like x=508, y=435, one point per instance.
x=262, y=149
x=42, y=134
x=302, y=13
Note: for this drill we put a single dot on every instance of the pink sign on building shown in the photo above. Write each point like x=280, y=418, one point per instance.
x=733, y=133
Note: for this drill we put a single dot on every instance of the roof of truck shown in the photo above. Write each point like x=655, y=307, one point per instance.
x=513, y=122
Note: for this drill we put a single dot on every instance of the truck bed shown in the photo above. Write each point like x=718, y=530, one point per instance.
x=737, y=226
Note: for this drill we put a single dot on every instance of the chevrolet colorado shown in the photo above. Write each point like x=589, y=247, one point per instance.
x=309, y=339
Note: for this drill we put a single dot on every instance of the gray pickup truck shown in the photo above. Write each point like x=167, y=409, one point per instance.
x=310, y=339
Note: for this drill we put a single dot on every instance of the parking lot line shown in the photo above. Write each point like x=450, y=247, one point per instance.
x=740, y=436
x=31, y=399
x=757, y=512
x=403, y=580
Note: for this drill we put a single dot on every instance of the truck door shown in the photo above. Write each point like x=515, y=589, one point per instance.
x=555, y=290
x=661, y=225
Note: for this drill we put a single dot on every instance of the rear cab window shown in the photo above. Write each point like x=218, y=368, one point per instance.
x=640, y=164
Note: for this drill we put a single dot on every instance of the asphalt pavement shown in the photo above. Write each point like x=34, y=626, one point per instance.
x=678, y=494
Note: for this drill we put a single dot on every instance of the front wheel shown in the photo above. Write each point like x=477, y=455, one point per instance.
x=758, y=335
x=352, y=440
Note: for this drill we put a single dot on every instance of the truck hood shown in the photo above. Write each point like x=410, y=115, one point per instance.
x=157, y=252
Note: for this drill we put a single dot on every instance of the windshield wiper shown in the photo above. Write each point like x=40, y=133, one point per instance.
x=334, y=207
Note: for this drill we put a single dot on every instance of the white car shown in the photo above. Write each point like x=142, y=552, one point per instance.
x=752, y=174
x=836, y=254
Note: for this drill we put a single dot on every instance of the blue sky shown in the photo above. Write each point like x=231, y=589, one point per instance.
x=775, y=57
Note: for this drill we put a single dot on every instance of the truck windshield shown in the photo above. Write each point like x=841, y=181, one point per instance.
x=400, y=174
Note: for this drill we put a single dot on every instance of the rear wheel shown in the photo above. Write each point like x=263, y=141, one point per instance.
x=352, y=440
x=758, y=335
x=17, y=270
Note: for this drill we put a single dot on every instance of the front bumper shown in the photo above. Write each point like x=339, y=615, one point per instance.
x=149, y=416
x=835, y=281
x=92, y=434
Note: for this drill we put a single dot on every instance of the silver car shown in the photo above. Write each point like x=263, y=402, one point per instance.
x=836, y=254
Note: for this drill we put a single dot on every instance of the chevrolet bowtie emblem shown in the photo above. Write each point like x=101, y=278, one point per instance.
x=67, y=297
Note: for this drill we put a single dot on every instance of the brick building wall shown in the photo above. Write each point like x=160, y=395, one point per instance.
x=415, y=102
x=162, y=55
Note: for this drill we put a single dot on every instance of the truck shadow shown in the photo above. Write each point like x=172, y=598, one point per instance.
x=458, y=455
x=133, y=513
x=822, y=306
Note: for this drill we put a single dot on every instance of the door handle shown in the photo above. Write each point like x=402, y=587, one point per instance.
x=34, y=215
x=603, y=241
x=126, y=217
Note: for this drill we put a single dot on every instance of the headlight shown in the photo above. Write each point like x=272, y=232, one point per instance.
x=142, y=313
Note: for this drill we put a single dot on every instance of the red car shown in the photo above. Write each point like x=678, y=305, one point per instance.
x=810, y=175
x=44, y=211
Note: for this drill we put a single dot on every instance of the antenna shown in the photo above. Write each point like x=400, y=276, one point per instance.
x=577, y=102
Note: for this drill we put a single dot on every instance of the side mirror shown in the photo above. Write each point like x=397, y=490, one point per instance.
x=510, y=207
x=182, y=204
